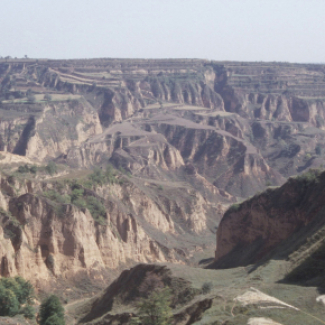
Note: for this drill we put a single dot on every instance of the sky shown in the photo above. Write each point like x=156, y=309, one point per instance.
x=241, y=30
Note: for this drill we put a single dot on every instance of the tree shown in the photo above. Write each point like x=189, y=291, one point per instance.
x=206, y=287
x=51, y=312
x=55, y=320
x=15, y=292
x=47, y=97
x=9, y=305
x=155, y=310
x=31, y=97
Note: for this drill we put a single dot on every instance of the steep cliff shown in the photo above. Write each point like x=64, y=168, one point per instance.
x=186, y=138
x=274, y=224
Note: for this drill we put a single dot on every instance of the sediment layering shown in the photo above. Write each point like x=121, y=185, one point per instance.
x=184, y=139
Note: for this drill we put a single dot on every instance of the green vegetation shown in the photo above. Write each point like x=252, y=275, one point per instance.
x=206, y=287
x=234, y=207
x=268, y=183
x=100, y=177
x=155, y=310
x=93, y=204
x=307, y=156
x=47, y=97
x=80, y=198
x=16, y=297
x=51, y=168
x=310, y=176
x=97, y=209
x=27, y=169
x=51, y=312
x=31, y=98
x=57, y=197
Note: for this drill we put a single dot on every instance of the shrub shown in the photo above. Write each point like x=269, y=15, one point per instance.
x=80, y=203
x=268, y=183
x=51, y=168
x=9, y=305
x=97, y=176
x=307, y=156
x=51, y=312
x=100, y=177
x=54, y=320
x=318, y=150
x=50, y=261
x=206, y=287
x=57, y=197
x=155, y=310
x=27, y=311
x=26, y=169
x=15, y=292
x=76, y=194
x=47, y=97
x=310, y=176
x=23, y=169
x=97, y=209
x=31, y=98
x=33, y=169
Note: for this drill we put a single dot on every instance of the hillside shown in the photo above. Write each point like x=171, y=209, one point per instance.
x=106, y=163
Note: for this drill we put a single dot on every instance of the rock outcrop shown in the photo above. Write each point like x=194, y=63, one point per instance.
x=187, y=137
x=273, y=223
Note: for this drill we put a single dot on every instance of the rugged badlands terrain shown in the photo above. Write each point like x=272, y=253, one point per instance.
x=108, y=163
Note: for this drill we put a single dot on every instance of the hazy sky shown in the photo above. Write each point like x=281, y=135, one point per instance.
x=248, y=30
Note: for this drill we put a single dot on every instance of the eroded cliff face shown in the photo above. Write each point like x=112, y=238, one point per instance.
x=189, y=137
x=42, y=239
x=271, y=221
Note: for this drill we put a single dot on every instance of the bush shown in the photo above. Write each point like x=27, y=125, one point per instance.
x=55, y=320
x=15, y=292
x=28, y=312
x=50, y=262
x=26, y=169
x=51, y=168
x=33, y=169
x=100, y=177
x=76, y=194
x=97, y=209
x=155, y=310
x=9, y=305
x=318, y=150
x=31, y=98
x=80, y=203
x=206, y=287
x=47, y=97
x=51, y=312
x=310, y=176
x=23, y=169
x=57, y=197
